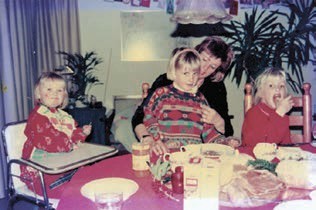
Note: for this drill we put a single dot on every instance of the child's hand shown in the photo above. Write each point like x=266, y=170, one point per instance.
x=77, y=145
x=233, y=141
x=284, y=105
x=87, y=129
x=158, y=148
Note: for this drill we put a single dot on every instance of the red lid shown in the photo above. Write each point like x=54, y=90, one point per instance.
x=178, y=169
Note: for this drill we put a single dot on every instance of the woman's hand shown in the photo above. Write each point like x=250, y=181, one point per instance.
x=233, y=142
x=210, y=116
x=86, y=129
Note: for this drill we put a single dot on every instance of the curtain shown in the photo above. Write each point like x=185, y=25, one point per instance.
x=31, y=34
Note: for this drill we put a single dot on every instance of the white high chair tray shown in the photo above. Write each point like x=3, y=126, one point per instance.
x=62, y=162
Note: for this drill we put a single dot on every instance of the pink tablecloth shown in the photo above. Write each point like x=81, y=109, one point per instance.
x=144, y=198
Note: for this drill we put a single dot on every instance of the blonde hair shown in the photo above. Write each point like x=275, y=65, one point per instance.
x=262, y=78
x=185, y=58
x=45, y=76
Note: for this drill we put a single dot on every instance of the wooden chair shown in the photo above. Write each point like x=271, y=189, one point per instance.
x=145, y=88
x=300, y=115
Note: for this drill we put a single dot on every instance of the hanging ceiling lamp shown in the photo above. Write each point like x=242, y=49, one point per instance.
x=200, y=11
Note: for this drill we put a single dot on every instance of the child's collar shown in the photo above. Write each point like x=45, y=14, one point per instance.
x=49, y=108
x=192, y=91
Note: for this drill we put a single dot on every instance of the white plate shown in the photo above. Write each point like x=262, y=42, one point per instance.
x=127, y=186
x=296, y=205
x=265, y=151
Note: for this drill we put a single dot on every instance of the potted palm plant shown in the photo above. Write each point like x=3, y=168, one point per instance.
x=83, y=78
x=261, y=41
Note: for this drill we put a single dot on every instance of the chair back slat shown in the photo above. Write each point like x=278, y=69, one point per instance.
x=296, y=120
x=299, y=116
x=297, y=138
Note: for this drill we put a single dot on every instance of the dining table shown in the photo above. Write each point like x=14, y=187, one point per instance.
x=146, y=197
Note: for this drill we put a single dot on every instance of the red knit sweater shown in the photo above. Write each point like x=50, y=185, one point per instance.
x=175, y=117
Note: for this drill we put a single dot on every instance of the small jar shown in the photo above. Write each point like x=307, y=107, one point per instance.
x=140, y=157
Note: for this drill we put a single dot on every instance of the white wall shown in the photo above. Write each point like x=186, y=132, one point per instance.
x=100, y=32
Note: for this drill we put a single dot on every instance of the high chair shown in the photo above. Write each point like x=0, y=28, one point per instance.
x=13, y=141
x=300, y=115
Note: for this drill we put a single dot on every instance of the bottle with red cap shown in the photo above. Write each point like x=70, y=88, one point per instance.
x=177, y=180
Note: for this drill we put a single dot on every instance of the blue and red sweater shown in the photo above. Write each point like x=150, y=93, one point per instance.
x=175, y=117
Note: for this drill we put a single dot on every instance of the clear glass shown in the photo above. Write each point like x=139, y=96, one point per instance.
x=108, y=201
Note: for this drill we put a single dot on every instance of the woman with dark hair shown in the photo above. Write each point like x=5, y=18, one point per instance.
x=216, y=57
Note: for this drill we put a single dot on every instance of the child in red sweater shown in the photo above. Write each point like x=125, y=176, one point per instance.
x=267, y=120
x=173, y=114
x=49, y=128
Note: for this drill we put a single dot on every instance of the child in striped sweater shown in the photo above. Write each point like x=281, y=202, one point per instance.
x=173, y=114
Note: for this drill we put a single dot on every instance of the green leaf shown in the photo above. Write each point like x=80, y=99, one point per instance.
x=260, y=41
x=261, y=164
x=84, y=67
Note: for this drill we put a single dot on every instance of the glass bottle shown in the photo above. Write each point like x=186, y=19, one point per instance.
x=177, y=180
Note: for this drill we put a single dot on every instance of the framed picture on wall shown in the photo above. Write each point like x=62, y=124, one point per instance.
x=145, y=36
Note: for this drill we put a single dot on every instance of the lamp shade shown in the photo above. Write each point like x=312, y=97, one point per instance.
x=200, y=11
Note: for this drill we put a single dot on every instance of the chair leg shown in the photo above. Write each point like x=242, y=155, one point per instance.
x=44, y=191
x=14, y=200
x=11, y=203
